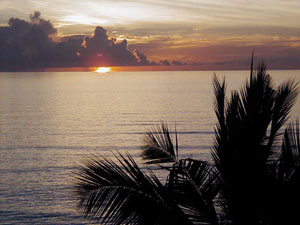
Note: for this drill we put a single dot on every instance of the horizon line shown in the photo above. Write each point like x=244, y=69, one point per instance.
x=140, y=69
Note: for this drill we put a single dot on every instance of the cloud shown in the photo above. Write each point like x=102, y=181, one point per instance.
x=29, y=46
x=165, y=62
x=179, y=63
x=33, y=45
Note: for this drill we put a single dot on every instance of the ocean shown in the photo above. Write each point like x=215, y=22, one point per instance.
x=50, y=122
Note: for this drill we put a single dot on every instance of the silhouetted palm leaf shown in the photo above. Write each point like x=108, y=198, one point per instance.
x=284, y=180
x=220, y=99
x=194, y=186
x=123, y=194
x=158, y=146
x=285, y=99
x=290, y=159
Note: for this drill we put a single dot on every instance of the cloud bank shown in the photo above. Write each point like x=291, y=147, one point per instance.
x=36, y=44
x=29, y=45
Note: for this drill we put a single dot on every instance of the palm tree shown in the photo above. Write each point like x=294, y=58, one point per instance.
x=253, y=179
x=246, y=153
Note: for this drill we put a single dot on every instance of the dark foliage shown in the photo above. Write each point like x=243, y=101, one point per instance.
x=123, y=194
x=253, y=179
x=158, y=146
x=244, y=148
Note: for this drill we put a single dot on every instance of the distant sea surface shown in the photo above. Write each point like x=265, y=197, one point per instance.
x=50, y=122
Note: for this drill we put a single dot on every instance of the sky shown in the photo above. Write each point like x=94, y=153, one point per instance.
x=209, y=34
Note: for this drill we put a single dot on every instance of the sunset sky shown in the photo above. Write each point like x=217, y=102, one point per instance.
x=212, y=34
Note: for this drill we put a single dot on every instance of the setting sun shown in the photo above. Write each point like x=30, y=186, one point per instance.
x=102, y=69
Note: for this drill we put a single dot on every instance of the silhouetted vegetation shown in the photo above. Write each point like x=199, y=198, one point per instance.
x=254, y=177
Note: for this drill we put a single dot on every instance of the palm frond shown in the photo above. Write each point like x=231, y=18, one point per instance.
x=257, y=99
x=239, y=151
x=285, y=99
x=193, y=184
x=123, y=194
x=158, y=146
x=284, y=180
x=221, y=127
x=290, y=159
x=220, y=99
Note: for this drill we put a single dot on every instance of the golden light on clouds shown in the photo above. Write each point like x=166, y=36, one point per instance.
x=103, y=69
x=83, y=19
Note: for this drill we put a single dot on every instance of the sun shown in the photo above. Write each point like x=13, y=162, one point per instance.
x=102, y=69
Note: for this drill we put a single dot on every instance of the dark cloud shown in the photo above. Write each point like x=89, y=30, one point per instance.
x=142, y=58
x=174, y=62
x=179, y=63
x=165, y=62
x=152, y=63
x=29, y=46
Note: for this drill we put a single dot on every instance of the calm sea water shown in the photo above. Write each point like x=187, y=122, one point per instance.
x=49, y=123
